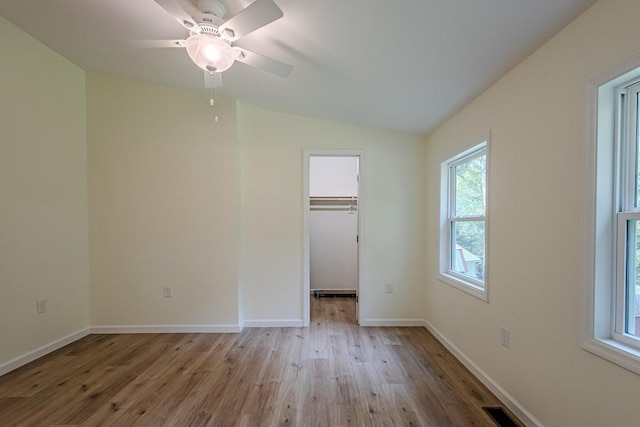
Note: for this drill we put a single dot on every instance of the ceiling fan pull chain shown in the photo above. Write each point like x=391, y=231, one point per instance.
x=212, y=102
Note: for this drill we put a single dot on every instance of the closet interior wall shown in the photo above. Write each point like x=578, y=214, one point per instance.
x=333, y=223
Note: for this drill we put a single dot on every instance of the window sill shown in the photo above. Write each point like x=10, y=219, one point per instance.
x=464, y=286
x=614, y=351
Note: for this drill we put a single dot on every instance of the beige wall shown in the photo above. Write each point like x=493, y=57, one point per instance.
x=164, y=209
x=43, y=196
x=163, y=206
x=536, y=116
x=272, y=191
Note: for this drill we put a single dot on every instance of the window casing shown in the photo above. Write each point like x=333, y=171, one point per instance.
x=610, y=295
x=463, y=240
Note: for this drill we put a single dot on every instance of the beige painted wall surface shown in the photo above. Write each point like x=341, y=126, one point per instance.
x=43, y=195
x=535, y=114
x=272, y=191
x=163, y=205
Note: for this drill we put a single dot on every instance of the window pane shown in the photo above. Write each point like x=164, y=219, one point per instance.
x=632, y=312
x=467, y=249
x=471, y=187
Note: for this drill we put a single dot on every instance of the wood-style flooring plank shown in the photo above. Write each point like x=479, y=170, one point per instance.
x=333, y=373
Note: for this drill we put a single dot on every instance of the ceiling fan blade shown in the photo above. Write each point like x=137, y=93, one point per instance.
x=256, y=15
x=174, y=9
x=264, y=63
x=155, y=43
x=212, y=80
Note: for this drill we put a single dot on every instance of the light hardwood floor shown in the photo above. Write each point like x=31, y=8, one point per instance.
x=333, y=373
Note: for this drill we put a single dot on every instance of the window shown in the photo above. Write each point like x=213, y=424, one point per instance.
x=464, y=221
x=627, y=271
x=610, y=300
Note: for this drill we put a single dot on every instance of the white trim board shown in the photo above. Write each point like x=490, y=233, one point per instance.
x=519, y=411
x=166, y=329
x=42, y=351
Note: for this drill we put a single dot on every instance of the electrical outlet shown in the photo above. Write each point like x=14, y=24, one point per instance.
x=504, y=337
x=168, y=292
x=388, y=287
x=41, y=305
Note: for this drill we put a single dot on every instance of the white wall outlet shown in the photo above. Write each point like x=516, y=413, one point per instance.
x=504, y=337
x=41, y=305
x=388, y=287
x=168, y=292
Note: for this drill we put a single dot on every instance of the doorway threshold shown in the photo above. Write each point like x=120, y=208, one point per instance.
x=332, y=293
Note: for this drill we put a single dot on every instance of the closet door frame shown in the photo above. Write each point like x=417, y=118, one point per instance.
x=306, y=259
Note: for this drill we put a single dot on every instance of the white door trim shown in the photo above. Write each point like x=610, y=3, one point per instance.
x=306, y=269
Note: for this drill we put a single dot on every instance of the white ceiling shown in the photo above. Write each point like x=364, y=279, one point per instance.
x=403, y=65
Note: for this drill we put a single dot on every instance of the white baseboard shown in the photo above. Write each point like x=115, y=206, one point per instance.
x=519, y=411
x=166, y=329
x=42, y=351
x=270, y=323
x=392, y=322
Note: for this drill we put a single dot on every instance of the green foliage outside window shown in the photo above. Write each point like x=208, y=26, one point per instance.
x=470, y=200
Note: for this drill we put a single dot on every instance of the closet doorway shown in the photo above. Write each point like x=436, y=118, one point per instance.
x=333, y=216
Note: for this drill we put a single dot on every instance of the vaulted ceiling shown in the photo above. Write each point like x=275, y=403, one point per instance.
x=403, y=65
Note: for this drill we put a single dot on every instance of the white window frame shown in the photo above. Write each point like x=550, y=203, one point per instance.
x=606, y=211
x=626, y=202
x=621, y=296
x=470, y=285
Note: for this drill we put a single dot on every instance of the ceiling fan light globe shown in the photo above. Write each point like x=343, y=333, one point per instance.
x=210, y=53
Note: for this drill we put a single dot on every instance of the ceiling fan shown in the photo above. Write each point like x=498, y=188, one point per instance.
x=210, y=44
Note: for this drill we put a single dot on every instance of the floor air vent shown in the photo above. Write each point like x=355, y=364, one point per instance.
x=501, y=418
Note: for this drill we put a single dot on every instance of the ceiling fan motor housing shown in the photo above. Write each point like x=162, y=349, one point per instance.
x=209, y=29
x=212, y=6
